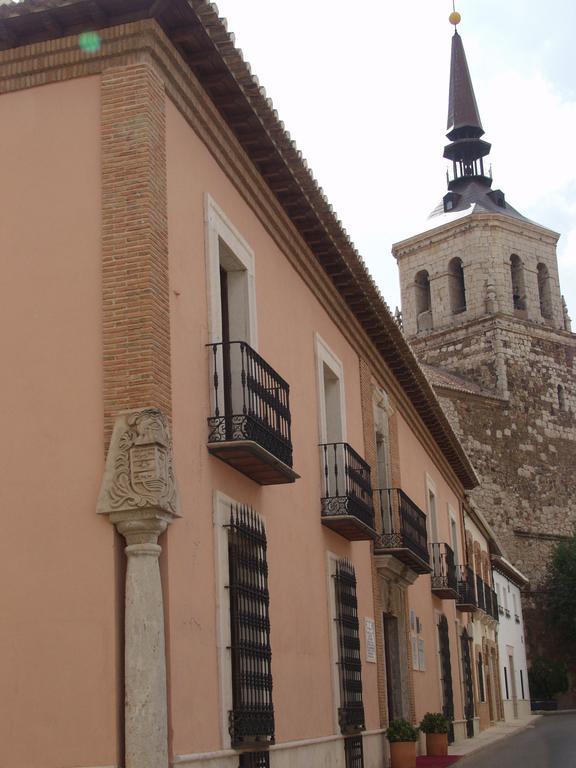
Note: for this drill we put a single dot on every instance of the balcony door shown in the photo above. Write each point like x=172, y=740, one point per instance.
x=332, y=420
x=231, y=305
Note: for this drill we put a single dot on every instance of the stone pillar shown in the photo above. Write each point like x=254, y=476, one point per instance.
x=139, y=495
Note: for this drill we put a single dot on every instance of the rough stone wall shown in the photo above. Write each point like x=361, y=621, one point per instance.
x=523, y=446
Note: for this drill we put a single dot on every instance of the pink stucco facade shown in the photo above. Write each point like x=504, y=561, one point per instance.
x=62, y=643
x=59, y=640
x=289, y=316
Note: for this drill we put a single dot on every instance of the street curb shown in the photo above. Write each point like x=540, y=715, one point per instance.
x=548, y=713
x=482, y=747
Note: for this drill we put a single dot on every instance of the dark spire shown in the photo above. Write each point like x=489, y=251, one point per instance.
x=462, y=107
x=466, y=149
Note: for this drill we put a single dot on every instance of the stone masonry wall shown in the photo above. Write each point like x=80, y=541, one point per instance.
x=523, y=447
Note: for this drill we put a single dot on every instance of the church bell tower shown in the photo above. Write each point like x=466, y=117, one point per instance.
x=483, y=311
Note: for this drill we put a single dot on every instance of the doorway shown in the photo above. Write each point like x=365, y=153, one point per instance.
x=393, y=666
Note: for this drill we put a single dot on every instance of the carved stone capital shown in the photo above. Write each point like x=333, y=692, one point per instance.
x=138, y=489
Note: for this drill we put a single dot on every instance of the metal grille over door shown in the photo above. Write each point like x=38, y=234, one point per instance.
x=446, y=668
x=468, y=685
x=351, y=711
x=252, y=716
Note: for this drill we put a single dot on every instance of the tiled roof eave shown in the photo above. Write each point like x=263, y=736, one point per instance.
x=194, y=25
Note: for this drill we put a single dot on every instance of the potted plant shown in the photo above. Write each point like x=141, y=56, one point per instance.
x=435, y=726
x=402, y=737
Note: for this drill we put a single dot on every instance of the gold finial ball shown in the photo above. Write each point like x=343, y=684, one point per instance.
x=455, y=18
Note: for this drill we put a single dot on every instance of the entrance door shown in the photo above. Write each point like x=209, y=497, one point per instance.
x=446, y=674
x=468, y=686
x=393, y=666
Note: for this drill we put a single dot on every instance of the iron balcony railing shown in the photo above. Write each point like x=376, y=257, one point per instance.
x=491, y=601
x=403, y=523
x=250, y=401
x=444, y=568
x=480, y=593
x=346, y=483
x=466, y=589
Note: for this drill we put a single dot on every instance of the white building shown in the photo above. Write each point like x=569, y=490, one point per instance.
x=508, y=582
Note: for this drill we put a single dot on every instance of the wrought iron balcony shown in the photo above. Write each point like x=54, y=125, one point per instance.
x=466, y=589
x=491, y=602
x=404, y=532
x=250, y=425
x=444, y=579
x=347, y=493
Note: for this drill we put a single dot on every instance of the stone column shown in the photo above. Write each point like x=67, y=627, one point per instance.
x=139, y=495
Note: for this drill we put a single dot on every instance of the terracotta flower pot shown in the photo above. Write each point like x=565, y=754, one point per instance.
x=437, y=744
x=403, y=754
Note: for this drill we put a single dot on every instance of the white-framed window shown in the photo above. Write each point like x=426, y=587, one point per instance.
x=331, y=563
x=230, y=275
x=331, y=395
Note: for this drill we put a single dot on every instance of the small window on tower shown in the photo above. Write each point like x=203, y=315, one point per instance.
x=561, y=398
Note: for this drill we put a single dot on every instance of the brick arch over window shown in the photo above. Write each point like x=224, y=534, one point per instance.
x=457, y=285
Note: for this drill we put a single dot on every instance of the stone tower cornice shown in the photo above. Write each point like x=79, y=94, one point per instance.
x=500, y=320
x=470, y=222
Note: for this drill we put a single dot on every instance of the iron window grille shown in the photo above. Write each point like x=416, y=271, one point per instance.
x=354, y=752
x=446, y=675
x=351, y=710
x=251, y=720
x=254, y=760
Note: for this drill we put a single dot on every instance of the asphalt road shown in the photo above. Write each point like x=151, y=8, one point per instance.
x=549, y=743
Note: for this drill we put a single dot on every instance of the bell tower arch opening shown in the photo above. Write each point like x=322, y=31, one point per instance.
x=457, y=286
x=518, y=283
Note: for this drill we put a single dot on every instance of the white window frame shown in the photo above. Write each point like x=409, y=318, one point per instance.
x=219, y=227
x=331, y=561
x=432, y=519
x=325, y=356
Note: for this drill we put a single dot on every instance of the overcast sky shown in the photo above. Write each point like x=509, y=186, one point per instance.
x=363, y=89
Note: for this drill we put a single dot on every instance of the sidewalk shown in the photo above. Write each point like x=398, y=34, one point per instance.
x=491, y=735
